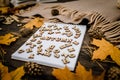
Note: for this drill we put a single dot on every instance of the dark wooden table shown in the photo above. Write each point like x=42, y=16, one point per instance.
x=84, y=57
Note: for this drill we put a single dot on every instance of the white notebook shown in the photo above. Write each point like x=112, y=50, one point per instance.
x=54, y=44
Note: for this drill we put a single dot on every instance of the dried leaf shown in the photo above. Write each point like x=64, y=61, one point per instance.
x=80, y=74
x=14, y=75
x=4, y=73
x=63, y=74
x=105, y=49
x=101, y=77
x=4, y=10
x=37, y=22
x=7, y=39
x=18, y=73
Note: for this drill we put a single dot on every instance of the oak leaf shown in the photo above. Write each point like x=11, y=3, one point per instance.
x=80, y=74
x=37, y=22
x=18, y=73
x=105, y=49
x=7, y=39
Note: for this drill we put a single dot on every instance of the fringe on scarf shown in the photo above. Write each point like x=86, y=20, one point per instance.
x=100, y=26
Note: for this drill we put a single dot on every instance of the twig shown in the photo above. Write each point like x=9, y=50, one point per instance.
x=2, y=52
x=100, y=65
x=88, y=48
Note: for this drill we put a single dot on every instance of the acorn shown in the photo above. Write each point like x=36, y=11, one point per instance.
x=33, y=69
x=113, y=73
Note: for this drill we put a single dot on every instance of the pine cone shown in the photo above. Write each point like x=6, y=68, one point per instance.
x=33, y=69
x=113, y=73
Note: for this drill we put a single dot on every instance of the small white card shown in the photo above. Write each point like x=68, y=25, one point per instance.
x=54, y=44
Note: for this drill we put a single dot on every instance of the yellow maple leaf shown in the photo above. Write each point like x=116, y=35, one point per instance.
x=105, y=49
x=7, y=39
x=63, y=74
x=18, y=73
x=80, y=74
x=37, y=22
x=4, y=10
x=14, y=75
x=4, y=72
x=101, y=77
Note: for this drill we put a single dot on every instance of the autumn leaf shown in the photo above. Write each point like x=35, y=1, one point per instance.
x=63, y=74
x=105, y=49
x=37, y=22
x=18, y=73
x=14, y=75
x=4, y=72
x=80, y=74
x=7, y=39
x=100, y=77
x=4, y=10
